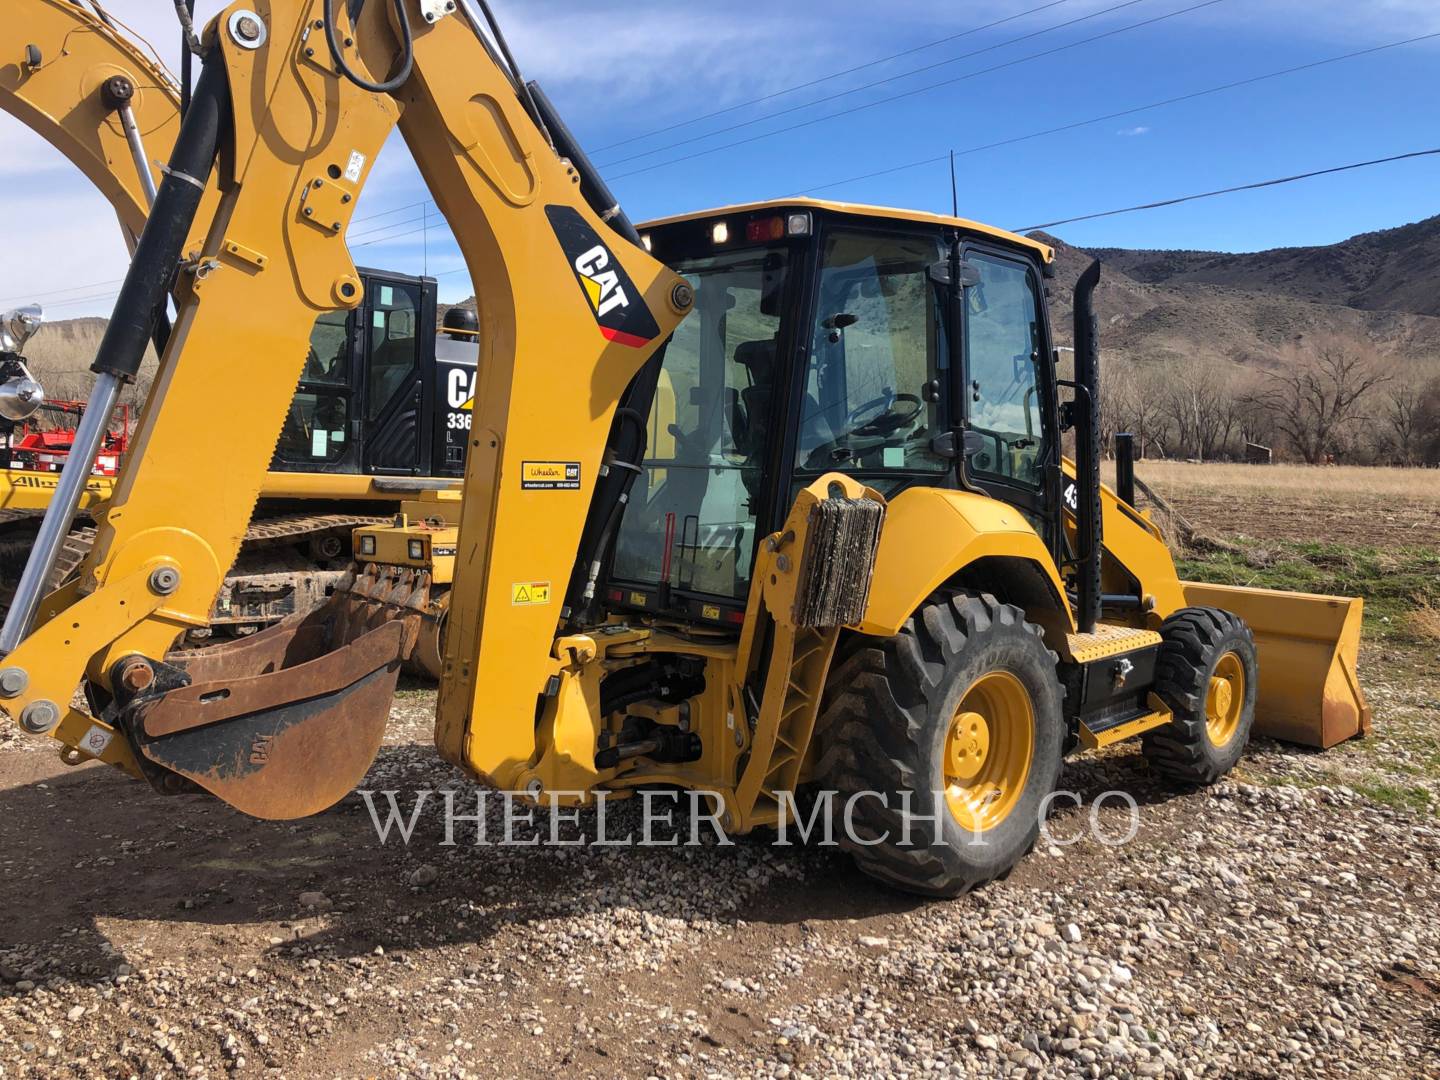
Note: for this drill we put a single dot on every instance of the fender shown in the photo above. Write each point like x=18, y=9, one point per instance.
x=930, y=535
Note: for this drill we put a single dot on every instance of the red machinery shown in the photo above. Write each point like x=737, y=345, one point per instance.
x=37, y=447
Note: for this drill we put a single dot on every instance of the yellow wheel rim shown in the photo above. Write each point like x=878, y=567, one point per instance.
x=988, y=749
x=1225, y=699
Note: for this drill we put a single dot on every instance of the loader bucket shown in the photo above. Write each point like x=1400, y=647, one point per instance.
x=285, y=723
x=1309, y=691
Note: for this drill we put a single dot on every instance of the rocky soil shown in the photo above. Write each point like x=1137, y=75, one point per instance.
x=1273, y=926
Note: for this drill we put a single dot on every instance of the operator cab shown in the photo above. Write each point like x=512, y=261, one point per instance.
x=382, y=394
x=824, y=339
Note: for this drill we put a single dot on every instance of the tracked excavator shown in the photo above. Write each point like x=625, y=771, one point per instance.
x=757, y=501
x=381, y=407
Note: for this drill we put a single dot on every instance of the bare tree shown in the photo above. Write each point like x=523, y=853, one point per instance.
x=1150, y=415
x=1117, y=391
x=1197, y=402
x=1402, y=415
x=1320, y=392
x=1428, y=423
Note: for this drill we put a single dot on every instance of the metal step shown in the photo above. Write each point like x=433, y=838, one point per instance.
x=1107, y=640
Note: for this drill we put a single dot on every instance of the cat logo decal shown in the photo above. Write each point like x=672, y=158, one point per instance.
x=619, y=309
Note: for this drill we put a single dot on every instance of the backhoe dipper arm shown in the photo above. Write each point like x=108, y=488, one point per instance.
x=570, y=314
x=71, y=78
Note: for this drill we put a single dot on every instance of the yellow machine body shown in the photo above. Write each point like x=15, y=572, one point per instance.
x=571, y=317
x=1308, y=645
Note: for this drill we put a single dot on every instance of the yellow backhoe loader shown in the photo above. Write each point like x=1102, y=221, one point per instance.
x=379, y=414
x=759, y=500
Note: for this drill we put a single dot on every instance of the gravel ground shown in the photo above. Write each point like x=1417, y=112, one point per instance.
x=1281, y=924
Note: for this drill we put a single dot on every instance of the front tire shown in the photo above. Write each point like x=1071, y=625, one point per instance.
x=960, y=712
x=1207, y=674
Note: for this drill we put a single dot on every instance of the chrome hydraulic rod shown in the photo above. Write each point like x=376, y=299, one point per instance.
x=60, y=513
x=137, y=151
x=138, y=308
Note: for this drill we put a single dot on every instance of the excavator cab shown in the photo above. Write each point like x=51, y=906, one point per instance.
x=382, y=392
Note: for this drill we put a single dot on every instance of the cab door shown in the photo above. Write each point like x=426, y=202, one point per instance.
x=1007, y=395
x=397, y=332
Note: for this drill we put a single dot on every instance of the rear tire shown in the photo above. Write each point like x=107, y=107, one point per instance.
x=977, y=776
x=1206, y=674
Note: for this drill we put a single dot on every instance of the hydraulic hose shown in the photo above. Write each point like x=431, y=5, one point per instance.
x=407, y=51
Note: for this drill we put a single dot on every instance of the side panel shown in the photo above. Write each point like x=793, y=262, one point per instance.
x=932, y=534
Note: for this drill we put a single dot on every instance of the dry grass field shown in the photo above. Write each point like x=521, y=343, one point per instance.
x=1369, y=507
x=1348, y=531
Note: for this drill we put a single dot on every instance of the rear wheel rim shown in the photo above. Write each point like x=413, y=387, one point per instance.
x=989, y=747
x=1225, y=699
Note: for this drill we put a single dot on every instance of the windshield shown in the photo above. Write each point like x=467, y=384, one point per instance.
x=691, y=518
x=872, y=398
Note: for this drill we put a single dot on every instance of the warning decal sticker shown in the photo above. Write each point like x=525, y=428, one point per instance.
x=550, y=475
x=530, y=593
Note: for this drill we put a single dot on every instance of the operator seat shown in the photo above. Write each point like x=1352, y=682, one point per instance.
x=750, y=408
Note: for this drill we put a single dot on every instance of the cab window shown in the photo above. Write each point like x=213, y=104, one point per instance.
x=1003, y=371
x=872, y=398
x=691, y=521
x=394, y=322
x=316, y=431
x=329, y=358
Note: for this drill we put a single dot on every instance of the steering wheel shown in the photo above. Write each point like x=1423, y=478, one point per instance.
x=886, y=418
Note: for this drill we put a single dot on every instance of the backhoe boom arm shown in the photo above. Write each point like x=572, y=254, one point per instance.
x=570, y=313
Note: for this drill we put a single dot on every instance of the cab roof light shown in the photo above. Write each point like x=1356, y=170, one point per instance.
x=771, y=228
x=798, y=224
x=720, y=232
x=647, y=242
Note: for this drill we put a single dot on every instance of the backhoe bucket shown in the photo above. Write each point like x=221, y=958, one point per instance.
x=285, y=723
x=1309, y=692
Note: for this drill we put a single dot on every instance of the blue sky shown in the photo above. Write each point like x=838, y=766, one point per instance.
x=622, y=70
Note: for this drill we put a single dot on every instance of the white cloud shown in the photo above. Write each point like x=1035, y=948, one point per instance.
x=1130, y=132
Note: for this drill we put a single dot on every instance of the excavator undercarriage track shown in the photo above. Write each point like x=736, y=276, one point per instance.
x=262, y=588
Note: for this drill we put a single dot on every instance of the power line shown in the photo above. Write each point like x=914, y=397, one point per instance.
x=1232, y=190
x=383, y=228
x=872, y=85
x=395, y=210
x=1100, y=214
x=1117, y=115
x=36, y=297
x=42, y=296
x=919, y=90
x=826, y=78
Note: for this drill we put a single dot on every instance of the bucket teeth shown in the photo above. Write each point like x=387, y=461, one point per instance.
x=285, y=723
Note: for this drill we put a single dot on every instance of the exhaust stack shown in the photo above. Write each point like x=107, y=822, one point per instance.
x=1089, y=538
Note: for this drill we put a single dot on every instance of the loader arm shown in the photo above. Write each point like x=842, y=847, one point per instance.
x=571, y=313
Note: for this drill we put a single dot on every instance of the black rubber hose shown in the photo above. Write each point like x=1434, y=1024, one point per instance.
x=407, y=50
x=141, y=303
